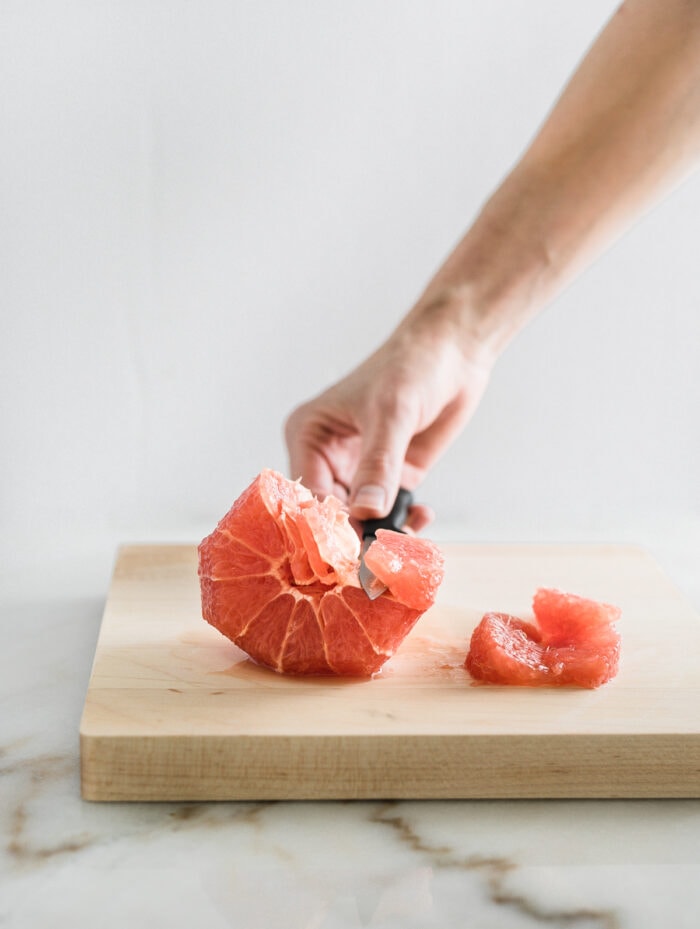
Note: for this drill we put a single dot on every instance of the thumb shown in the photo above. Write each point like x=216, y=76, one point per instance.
x=378, y=474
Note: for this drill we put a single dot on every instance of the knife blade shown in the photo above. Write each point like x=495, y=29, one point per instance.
x=394, y=520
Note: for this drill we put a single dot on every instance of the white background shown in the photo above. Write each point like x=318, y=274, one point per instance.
x=211, y=210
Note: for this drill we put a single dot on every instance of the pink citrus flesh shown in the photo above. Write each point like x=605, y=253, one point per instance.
x=574, y=642
x=279, y=577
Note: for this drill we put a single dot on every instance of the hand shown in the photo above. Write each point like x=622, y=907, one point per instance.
x=390, y=419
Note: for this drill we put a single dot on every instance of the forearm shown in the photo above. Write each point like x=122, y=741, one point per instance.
x=625, y=130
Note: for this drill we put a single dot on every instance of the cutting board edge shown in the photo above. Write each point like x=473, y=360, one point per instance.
x=548, y=766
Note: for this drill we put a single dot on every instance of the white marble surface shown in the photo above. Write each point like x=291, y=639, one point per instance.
x=481, y=864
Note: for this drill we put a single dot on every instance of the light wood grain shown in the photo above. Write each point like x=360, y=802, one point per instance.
x=174, y=711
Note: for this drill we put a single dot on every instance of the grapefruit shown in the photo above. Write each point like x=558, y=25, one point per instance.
x=573, y=642
x=279, y=577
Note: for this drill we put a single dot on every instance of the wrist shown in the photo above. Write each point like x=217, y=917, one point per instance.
x=497, y=278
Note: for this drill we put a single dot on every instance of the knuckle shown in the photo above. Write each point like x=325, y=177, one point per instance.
x=394, y=406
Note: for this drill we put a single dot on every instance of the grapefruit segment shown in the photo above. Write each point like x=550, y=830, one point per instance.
x=329, y=541
x=232, y=603
x=574, y=642
x=411, y=568
x=263, y=638
x=279, y=577
x=506, y=650
x=228, y=558
x=303, y=651
x=389, y=620
x=567, y=619
x=258, y=509
x=349, y=648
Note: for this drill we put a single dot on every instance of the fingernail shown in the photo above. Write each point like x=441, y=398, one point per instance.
x=371, y=496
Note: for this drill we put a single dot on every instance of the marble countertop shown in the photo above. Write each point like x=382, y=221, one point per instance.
x=333, y=865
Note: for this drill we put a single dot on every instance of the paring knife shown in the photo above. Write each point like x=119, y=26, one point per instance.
x=394, y=520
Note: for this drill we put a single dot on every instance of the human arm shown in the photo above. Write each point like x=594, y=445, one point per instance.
x=625, y=130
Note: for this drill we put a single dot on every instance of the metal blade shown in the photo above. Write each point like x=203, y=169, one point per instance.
x=370, y=584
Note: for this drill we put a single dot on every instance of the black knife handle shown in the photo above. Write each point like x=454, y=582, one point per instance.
x=395, y=519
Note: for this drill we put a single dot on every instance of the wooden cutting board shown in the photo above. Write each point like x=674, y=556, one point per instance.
x=174, y=711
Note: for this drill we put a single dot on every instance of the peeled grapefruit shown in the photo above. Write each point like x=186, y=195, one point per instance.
x=574, y=642
x=279, y=577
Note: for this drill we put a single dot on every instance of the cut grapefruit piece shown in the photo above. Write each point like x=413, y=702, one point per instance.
x=411, y=568
x=279, y=577
x=574, y=642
